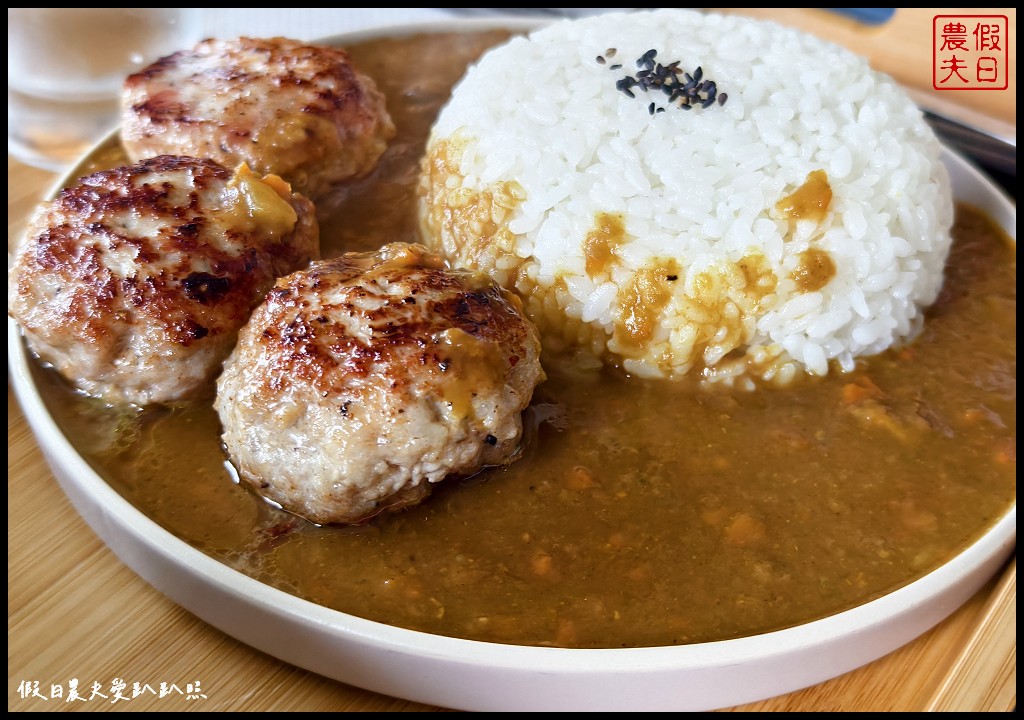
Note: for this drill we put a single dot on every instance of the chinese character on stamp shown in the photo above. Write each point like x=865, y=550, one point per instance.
x=970, y=52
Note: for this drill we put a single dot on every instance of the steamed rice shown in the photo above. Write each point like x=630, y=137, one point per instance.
x=658, y=241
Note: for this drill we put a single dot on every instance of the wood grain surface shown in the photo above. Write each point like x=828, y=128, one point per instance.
x=75, y=612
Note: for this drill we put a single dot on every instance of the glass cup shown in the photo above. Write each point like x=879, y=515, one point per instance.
x=66, y=66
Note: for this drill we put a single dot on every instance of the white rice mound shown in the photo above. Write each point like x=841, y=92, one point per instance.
x=654, y=242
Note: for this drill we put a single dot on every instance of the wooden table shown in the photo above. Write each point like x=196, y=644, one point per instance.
x=74, y=611
x=902, y=48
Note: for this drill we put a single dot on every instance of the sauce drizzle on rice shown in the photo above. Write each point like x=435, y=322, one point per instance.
x=599, y=246
x=810, y=201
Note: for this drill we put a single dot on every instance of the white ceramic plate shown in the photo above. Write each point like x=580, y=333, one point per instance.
x=473, y=675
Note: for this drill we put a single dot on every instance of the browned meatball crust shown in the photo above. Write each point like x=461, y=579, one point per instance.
x=284, y=107
x=364, y=379
x=133, y=283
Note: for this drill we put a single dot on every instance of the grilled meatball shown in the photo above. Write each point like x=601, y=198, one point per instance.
x=134, y=282
x=364, y=379
x=284, y=107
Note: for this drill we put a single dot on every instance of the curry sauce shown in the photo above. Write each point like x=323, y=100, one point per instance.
x=642, y=512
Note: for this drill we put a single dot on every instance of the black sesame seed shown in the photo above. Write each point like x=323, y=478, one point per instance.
x=600, y=60
x=491, y=440
x=615, y=67
x=669, y=79
x=671, y=278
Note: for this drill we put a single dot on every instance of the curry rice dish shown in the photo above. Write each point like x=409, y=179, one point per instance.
x=642, y=511
x=678, y=193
